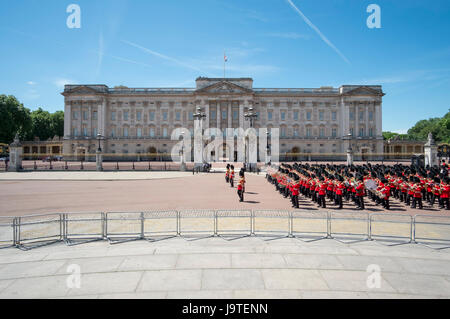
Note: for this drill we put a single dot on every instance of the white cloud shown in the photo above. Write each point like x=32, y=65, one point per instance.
x=31, y=83
x=61, y=82
x=162, y=56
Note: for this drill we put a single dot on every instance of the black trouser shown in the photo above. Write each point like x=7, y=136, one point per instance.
x=360, y=201
x=232, y=182
x=408, y=200
x=241, y=195
x=445, y=203
x=321, y=201
x=386, y=203
x=295, y=201
x=415, y=201
x=227, y=179
x=339, y=201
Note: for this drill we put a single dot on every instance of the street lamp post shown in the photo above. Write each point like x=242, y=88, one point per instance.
x=268, y=148
x=198, y=138
x=183, y=164
x=250, y=116
x=98, y=155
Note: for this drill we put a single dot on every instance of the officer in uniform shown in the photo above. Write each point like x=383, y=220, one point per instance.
x=240, y=186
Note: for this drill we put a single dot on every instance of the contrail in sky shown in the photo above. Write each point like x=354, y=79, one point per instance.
x=162, y=56
x=324, y=38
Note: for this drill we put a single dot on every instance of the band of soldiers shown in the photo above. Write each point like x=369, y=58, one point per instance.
x=411, y=185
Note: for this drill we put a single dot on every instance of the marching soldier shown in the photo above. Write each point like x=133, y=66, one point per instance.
x=240, y=186
x=227, y=174
x=232, y=176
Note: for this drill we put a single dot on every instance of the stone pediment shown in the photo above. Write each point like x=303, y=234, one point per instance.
x=82, y=89
x=224, y=87
x=364, y=90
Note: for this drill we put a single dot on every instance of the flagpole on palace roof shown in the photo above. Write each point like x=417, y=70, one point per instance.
x=224, y=60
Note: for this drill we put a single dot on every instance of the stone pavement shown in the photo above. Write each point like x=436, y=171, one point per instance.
x=217, y=268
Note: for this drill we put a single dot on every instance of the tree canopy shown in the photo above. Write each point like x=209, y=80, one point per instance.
x=15, y=118
x=438, y=126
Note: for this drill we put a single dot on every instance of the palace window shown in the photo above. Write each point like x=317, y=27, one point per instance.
x=321, y=115
x=308, y=116
x=85, y=115
x=113, y=132
x=351, y=131
x=269, y=115
x=235, y=115
x=361, y=131
x=322, y=132
x=165, y=132
x=75, y=132
x=94, y=115
x=308, y=132
x=113, y=116
x=94, y=132
x=125, y=115
x=177, y=116
x=296, y=115
x=333, y=132
x=125, y=131
x=139, y=132
x=352, y=115
x=85, y=131
x=295, y=132
x=333, y=116
x=283, y=116
x=191, y=116
x=152, y=132
x=164, y=116
x=138, y=115
x=213, y=115
x=371, y=132
x=361, y=115
x=370, y=116
x=224, y=115
x=75, y=115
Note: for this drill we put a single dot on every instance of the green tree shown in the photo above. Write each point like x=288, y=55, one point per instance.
x=14, y=118
x=42, y=124
x=57, y=123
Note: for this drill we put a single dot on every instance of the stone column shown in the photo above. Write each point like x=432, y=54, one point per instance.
x=430, y=149
x=378, y=120
x=230, y=116
x=15, y=155
x=67, y=119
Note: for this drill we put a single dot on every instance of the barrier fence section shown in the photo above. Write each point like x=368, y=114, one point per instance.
x=344, y=226
x=7, y=232
x=431, y=230
x=272, y=223
x=32, y=231
x=391, y=228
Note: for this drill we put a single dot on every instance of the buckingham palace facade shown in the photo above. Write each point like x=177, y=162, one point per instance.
x=313, y=124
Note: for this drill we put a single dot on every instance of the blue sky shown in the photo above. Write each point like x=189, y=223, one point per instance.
x=149, y=43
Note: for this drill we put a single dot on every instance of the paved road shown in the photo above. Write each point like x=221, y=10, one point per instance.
x=156, y=191
x=215, y=268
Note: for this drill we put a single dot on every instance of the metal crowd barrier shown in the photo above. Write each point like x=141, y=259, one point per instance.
x=395, y=228
x=309, y=225
x=33, y=231
x=431, y=231
x=7, y=232
x=272, y=223
x=234, y=223
x=80, y=228
x=348, y=226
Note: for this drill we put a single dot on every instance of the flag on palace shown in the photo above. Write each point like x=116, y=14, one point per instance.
x=225, y=58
